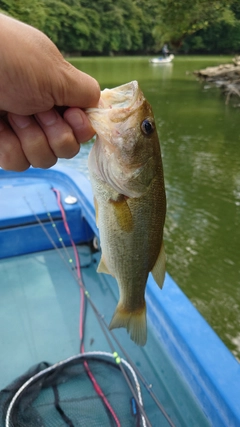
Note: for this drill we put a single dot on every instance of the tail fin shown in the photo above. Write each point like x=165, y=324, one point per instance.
x=135, y=323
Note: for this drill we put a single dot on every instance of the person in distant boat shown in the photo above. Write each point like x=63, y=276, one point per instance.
x=35, y=81
x=165, y=50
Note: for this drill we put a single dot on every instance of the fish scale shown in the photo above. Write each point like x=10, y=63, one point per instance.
x=126, y=173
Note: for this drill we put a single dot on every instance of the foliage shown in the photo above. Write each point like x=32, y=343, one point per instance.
x=178, y=19
x=29, y=11
x=223, y=36
x=134, y=26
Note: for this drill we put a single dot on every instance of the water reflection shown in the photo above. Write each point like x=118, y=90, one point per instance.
x=160, y=71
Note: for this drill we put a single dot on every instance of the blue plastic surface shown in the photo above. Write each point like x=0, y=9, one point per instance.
x=206, y=364
x=20, y=203
x=28, y=197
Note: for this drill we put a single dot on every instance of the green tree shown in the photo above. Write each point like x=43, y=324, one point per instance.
x=68, y=25
x=29, y=11
x=178, y=18
x=149, y=21
x=223, y=36
x=104, y=26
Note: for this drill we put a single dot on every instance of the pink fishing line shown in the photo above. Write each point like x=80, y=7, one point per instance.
x=82, y=303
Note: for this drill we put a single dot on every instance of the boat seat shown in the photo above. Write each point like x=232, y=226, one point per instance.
x=21, y=231
x=39, y=200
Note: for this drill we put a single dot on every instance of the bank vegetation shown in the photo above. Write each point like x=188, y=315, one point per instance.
x=103, y=27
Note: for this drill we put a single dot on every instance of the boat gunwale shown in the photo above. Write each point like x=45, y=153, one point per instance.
x=208, y=367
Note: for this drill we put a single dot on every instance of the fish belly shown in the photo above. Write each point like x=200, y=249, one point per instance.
x=131, y=237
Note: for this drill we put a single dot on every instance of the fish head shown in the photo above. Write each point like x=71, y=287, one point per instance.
x=127, y=140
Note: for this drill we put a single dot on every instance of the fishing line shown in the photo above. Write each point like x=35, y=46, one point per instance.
x=83, y=311
x=96, y=386
x=78, y=269
x=103, y=324
x=99, y=316
x=80, y=282
x=56, y=229
x=143, y=380
x=117, y=359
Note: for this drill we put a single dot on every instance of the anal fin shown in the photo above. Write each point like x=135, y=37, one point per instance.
x=158, y=270
x=102, y=268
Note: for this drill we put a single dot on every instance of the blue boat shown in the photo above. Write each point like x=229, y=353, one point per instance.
x=49, y=252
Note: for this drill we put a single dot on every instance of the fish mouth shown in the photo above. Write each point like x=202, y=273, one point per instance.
x=122, y=97
x=116, y=124
x=115, y=107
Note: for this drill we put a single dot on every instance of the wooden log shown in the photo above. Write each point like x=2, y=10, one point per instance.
x=225, y=76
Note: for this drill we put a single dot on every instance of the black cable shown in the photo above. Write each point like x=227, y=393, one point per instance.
x=59, y=409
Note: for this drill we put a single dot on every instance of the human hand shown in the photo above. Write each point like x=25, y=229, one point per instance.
x=34, y=81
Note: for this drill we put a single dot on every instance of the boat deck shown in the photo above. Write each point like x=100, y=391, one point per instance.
x=39, y=321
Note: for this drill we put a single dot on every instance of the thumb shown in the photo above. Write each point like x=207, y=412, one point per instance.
x=75, y=88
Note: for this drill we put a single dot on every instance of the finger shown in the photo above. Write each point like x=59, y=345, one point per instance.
x=80, y=124
x=33, y=141
x=75, y=88
x=59, y=134
x=12, y=156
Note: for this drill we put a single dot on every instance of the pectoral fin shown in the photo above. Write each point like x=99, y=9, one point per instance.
x=158, y=270
x=123, y=214
x=102, y=268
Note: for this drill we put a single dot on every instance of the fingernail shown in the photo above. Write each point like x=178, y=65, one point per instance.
x=48, y=118
x=75, y=119
x=21, y=121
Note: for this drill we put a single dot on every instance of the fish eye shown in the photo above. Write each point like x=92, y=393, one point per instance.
x=147, y=127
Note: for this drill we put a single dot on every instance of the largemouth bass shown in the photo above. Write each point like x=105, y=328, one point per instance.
x=126, y=173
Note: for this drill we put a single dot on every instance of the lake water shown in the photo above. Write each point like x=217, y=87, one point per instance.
x=200, y=142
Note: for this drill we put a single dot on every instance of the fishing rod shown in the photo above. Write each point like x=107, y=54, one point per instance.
x=68, y=264
x=101, y=320
x=77, y=277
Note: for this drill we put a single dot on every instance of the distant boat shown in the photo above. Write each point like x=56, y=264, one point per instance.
x=162, y=60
